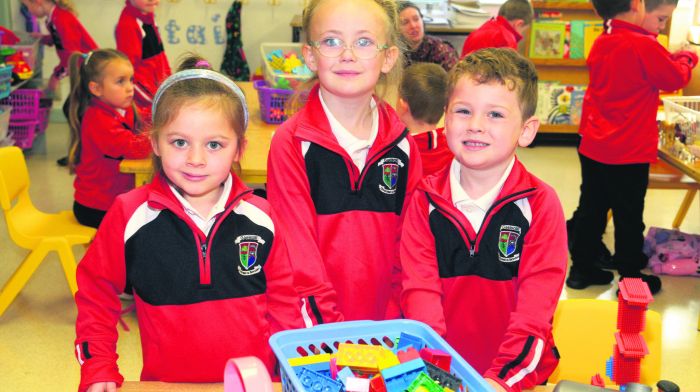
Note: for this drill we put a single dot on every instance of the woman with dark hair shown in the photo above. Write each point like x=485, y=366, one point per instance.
x=420, y=47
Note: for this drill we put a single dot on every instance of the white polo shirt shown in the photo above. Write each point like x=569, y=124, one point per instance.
x=206, y=223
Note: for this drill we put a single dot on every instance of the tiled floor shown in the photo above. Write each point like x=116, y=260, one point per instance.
x=37, y=330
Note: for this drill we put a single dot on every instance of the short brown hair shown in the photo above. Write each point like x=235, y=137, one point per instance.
x=517, y=9
x=423, y=88
x=502, y=65
x=651, y=5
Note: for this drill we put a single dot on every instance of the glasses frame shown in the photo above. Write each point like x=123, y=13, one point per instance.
x=379, y=48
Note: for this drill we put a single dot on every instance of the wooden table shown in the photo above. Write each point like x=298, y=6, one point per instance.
x=692, y=170
x=150, y=386
x=253, y=165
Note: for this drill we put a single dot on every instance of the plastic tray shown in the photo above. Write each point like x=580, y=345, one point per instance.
x=5, y=80
x=272, y=102
x=302, y=342
x=286, y=47
x=682, y=109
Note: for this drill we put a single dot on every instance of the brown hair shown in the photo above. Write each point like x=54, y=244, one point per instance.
x=423, y=88
x=200, y=92
x=502, y=65
x=86, y=68
x=651, y=5
x=517, y=9
x=393, y=39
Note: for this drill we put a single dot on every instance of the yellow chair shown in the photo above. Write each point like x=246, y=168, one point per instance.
x=584, y=334
x=32, y=229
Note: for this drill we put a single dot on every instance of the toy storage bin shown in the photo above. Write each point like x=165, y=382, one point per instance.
x=287, y=47
x=682, y=108
x=272, y=102
x=22, y=132
x=327, y=337
x=25, y=104
x=5, y=80
x=32, y=50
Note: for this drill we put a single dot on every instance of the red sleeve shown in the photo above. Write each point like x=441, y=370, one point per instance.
x=74, y=38
x=114, y=140
x=282, y=300
x=101, y=277
x=289, y=192
x=540, y=281
x=476, y=41
x=422, y=296
x=130, y=42
x=664, y=70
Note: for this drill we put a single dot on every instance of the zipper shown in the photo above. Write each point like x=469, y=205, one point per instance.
x=451, y=217
x=374, y=157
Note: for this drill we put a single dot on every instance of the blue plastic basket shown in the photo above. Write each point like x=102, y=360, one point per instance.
x=5, y=80
x=326, y=338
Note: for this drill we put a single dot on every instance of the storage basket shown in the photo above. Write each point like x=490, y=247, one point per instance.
x=287, y=47
x=25, y=104
x=302, y=342
x=682, y=109
x=5, y=80
x=22, y=132
x=272, y=102
x=32, y=50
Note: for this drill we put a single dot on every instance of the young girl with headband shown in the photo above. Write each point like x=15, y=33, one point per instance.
x=105, y=128
x=208, y=266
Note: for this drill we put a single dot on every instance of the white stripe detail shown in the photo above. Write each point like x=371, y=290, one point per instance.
x=305, y=148
x=524, y=205
x=531, y=367
x=142, y=216
x=80, y=355
x=405, y=147
x=305, y=315
x=143, y=94
x=434, y=134
x=431, y=207
x=255, y=214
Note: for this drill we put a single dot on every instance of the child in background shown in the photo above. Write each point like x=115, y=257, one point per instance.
x=619, y=138
x=483, y=248
x=137, y=36
x=67, y=34
x=339, y=170
x=503, y=31
x=420, y=106
x=205, y=257
x=105, y=129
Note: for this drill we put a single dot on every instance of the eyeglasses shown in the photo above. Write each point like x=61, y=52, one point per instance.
x=363, y=48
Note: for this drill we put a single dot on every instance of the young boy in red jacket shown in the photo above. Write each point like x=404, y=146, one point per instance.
x=137, y=36
x=619, y=139
x=483, y=247
x=503, y=31
x=420, y=106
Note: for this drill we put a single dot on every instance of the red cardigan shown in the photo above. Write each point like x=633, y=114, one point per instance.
x=495, y=33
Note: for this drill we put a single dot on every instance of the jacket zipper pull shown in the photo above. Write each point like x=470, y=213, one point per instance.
x=204, y=252
x=471, y=250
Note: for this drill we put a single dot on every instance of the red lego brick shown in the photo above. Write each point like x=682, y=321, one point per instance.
x=635, y=292
x=631, y=345
x=438, y=358
x=407, y=355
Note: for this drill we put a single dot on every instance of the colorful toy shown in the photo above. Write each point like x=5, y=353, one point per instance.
x=312, y=381
x=398, y=378
x=408, y=340
x=672, y=252
x=438, y=358
x=423, y=383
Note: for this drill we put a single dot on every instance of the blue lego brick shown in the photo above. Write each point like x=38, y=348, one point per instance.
x=442, y=377
x=609, y=368
x=344, y=374
x=320, y=367
x=398, y=378
x=312, y=381
x=408, y=340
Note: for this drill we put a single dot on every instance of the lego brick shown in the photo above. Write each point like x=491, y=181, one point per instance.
x=355, y=384
x=438, y=358
x=631, y=345
x=406, y=340
x=442, y=377
x=398, y=378
x=376, y=384
x=424, y=383
x=312, y=381
x=320, y=367
x=344, y=374
x=387, y=360
x=360, y=357
x=635, y=292
x=407, y=355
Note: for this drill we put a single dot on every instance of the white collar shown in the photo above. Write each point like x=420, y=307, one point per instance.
x=347, y=140
x=460, y=196
x=216, y=209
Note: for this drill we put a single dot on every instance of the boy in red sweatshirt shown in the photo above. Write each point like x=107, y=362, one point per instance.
x=619, y=139
x=483, y=247
x=503, y=31
x=420, y=106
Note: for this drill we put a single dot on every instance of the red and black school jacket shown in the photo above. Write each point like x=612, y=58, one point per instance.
x=490, y=293
x=138, y=38
x=627, y=68
x=106, y=138
x=343, y=224
x=200, y=299
x=68, y=35
x=494, y=33
x=434, y=152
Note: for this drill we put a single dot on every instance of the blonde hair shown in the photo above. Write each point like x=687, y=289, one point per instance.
x=501, y=65
x=391, y=17
x=86, y=68
x=196, y=92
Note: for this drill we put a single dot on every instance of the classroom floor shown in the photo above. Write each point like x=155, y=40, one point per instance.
x=37, y=330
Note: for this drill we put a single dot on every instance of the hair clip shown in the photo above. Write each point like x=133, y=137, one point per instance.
x=86, y=57
x=202, y=63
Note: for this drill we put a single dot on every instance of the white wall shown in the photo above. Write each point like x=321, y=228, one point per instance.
x=262, y=22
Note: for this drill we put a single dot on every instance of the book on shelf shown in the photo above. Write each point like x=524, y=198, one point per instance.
x=559, y=103
x=548, y=39
x=591, y=31
x=576, y=105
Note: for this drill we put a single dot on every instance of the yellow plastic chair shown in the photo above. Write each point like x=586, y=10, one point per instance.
x=32, y=229
x=584, y=334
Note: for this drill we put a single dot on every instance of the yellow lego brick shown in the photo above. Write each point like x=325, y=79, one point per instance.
x=361, y=357
x=301, y=361
x=388, y=359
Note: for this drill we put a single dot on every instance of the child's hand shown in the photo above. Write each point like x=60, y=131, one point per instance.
x=687, y=47
x=496, y=386
x=103, y=387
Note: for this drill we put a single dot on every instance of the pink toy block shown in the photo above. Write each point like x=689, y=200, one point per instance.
x=407, y=355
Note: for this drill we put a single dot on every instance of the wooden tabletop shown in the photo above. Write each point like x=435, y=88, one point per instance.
x=691, y=169
x=253, y=165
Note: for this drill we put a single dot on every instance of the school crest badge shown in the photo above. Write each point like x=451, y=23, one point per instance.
x=508, y=243
x=390, y=174
x=248, y=246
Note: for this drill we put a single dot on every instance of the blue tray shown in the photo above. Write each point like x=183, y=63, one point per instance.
x=301, y=342
x=5, y=80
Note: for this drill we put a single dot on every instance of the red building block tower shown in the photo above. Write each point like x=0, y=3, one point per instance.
x=630, y=347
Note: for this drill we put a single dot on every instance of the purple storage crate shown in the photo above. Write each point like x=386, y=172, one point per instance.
x=22, y=132
x=272, y=102
x=25, y=105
